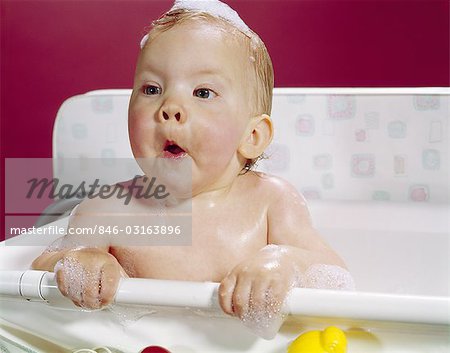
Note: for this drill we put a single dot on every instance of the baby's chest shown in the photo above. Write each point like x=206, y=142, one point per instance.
x=219, y=241
x=238, y=224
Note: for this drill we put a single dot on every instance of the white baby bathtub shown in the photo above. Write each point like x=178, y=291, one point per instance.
x=383, y=151
x=397, y=253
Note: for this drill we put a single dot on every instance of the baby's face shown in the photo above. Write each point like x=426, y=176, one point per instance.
x=191, y=102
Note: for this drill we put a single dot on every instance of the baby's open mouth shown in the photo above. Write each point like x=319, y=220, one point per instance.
x=172, y=150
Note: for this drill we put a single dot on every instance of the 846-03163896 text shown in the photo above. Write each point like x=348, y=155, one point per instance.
x=100, y=230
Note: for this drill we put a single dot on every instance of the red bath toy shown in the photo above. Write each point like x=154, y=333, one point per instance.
x=154, y=349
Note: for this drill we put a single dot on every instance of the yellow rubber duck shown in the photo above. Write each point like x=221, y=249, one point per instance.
x=330, y=340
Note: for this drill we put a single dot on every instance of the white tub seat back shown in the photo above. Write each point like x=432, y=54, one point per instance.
x=332, y=144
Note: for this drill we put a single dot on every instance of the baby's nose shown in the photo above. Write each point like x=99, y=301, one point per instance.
x=172, y=111
x=167, y=117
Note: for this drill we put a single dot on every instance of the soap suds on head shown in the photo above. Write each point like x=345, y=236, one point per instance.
x=214, y=8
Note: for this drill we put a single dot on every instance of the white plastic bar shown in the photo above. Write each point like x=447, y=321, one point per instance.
x=10, y=283
x=168, y=293
x=41, y=285
x=31, y=283
x=369, y=306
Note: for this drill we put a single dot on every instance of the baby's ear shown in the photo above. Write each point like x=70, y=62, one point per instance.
x=257, y=137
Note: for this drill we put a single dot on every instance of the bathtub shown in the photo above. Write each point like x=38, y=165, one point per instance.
x=401, y=304
x=378, y=192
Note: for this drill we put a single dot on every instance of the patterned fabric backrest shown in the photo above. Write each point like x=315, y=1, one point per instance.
x=332, y=144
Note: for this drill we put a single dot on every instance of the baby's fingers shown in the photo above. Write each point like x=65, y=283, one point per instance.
x=61, y=282
x=68, y=276
x=241, y=296
x=90, y=286
x=277, y=295
x=78, y=283
x=226, y=289
x=109, y=281
x=260, y=294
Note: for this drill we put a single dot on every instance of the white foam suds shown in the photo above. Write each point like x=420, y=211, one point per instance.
x=264, y=320
x=215, y=8
x=320, y=276
x=63, y=243
x=127, y=315
x=77, y=280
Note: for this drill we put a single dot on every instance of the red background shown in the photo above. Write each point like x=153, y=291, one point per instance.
x=51, y=50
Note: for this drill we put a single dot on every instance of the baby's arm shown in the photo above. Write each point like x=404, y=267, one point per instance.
x=294, y=245
x=85, y=271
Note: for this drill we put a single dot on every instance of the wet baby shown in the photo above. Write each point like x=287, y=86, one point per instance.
x=202, y=96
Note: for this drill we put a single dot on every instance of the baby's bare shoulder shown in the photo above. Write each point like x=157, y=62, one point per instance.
x=114, y=199
x=267, y=186
x=269, y=190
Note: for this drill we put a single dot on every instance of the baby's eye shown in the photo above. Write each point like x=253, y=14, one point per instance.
x=152, y=90
x=204, y=93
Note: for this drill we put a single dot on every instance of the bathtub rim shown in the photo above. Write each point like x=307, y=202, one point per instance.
x=302, y=302
x=328, y=303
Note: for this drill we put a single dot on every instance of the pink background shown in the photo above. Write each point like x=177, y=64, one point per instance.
x=51, y=50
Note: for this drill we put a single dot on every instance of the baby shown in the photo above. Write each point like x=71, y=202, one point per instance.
x=202, y=97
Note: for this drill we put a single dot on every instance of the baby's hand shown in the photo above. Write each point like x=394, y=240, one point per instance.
x=89, y=277
x=259, y=284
